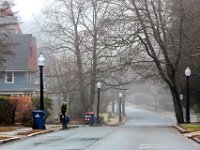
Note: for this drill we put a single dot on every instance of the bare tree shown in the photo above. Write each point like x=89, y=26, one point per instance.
x=190, y=45
x=153, y=20
x=62, y=30
x=79, y=29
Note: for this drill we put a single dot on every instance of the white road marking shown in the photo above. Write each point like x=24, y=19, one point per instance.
x=150, y=146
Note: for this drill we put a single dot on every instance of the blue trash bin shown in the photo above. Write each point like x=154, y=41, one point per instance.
x=38, y=119
x=91, y=119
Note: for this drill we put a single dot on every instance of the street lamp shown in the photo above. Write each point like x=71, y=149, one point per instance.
x=40, y=62
x=98, y=99
x=187, y=74
x=120, y=101
x=181, y=97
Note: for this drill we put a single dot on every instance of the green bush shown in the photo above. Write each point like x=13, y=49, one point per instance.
x=27, y=118
x=47, y=105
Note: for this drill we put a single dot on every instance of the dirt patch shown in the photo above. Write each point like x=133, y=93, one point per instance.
x=6, y=129
x=4, y=138
x=197, y=137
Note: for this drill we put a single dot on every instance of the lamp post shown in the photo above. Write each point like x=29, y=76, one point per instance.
x=187, y=74
x=120, y=101
x=40, y=62
x=98, y=99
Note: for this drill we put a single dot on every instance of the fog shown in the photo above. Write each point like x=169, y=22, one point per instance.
x=151, y=95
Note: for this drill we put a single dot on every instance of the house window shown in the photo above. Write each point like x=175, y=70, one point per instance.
x=9, y=78
x=30, y=78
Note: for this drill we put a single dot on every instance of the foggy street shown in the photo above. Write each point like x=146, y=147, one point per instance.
x=143, y=130
x=100, y=75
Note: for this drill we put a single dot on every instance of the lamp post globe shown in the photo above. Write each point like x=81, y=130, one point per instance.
x=41, y=63
x=99, y=85
x=98, y=99
x=187, y=74
x=120, y=95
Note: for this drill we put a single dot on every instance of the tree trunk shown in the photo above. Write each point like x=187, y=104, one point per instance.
x=80, y=77
x=92, y=92
x=123, y=105
x=13, y=116
x=81, y=85
x=113, y=106
x=177, y=103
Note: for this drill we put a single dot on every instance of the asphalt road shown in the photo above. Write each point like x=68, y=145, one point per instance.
x=144, y=130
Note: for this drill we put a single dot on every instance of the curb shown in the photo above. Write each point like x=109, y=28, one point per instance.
x=9, y=140
x=39, y=132
x=19, y=137
x=182, y=131
x=50, y=130
x=195, y=139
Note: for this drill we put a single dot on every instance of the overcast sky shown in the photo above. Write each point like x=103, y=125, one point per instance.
x=26, y=9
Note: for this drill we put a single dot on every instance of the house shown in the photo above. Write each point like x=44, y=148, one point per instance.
x=18, y=76
x=19, y=73
x=8, y=22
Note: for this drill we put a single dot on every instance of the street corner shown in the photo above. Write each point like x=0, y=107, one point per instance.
x=181, y=130
x=190, y=131
x=196, y=138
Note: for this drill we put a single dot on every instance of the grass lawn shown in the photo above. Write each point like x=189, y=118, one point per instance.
x=190, y=127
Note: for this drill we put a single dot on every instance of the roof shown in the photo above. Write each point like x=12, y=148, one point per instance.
x=6, y=10
x=20, y=46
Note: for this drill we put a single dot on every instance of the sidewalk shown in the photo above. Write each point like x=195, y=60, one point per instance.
x=114, y=121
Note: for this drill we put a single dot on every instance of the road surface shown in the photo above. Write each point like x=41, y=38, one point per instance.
x=144, y=130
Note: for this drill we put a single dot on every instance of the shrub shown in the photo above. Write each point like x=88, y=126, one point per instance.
x=14, y=109
x=47, y=105
x=27, y=120
x=21, y=105
x=5, y=107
